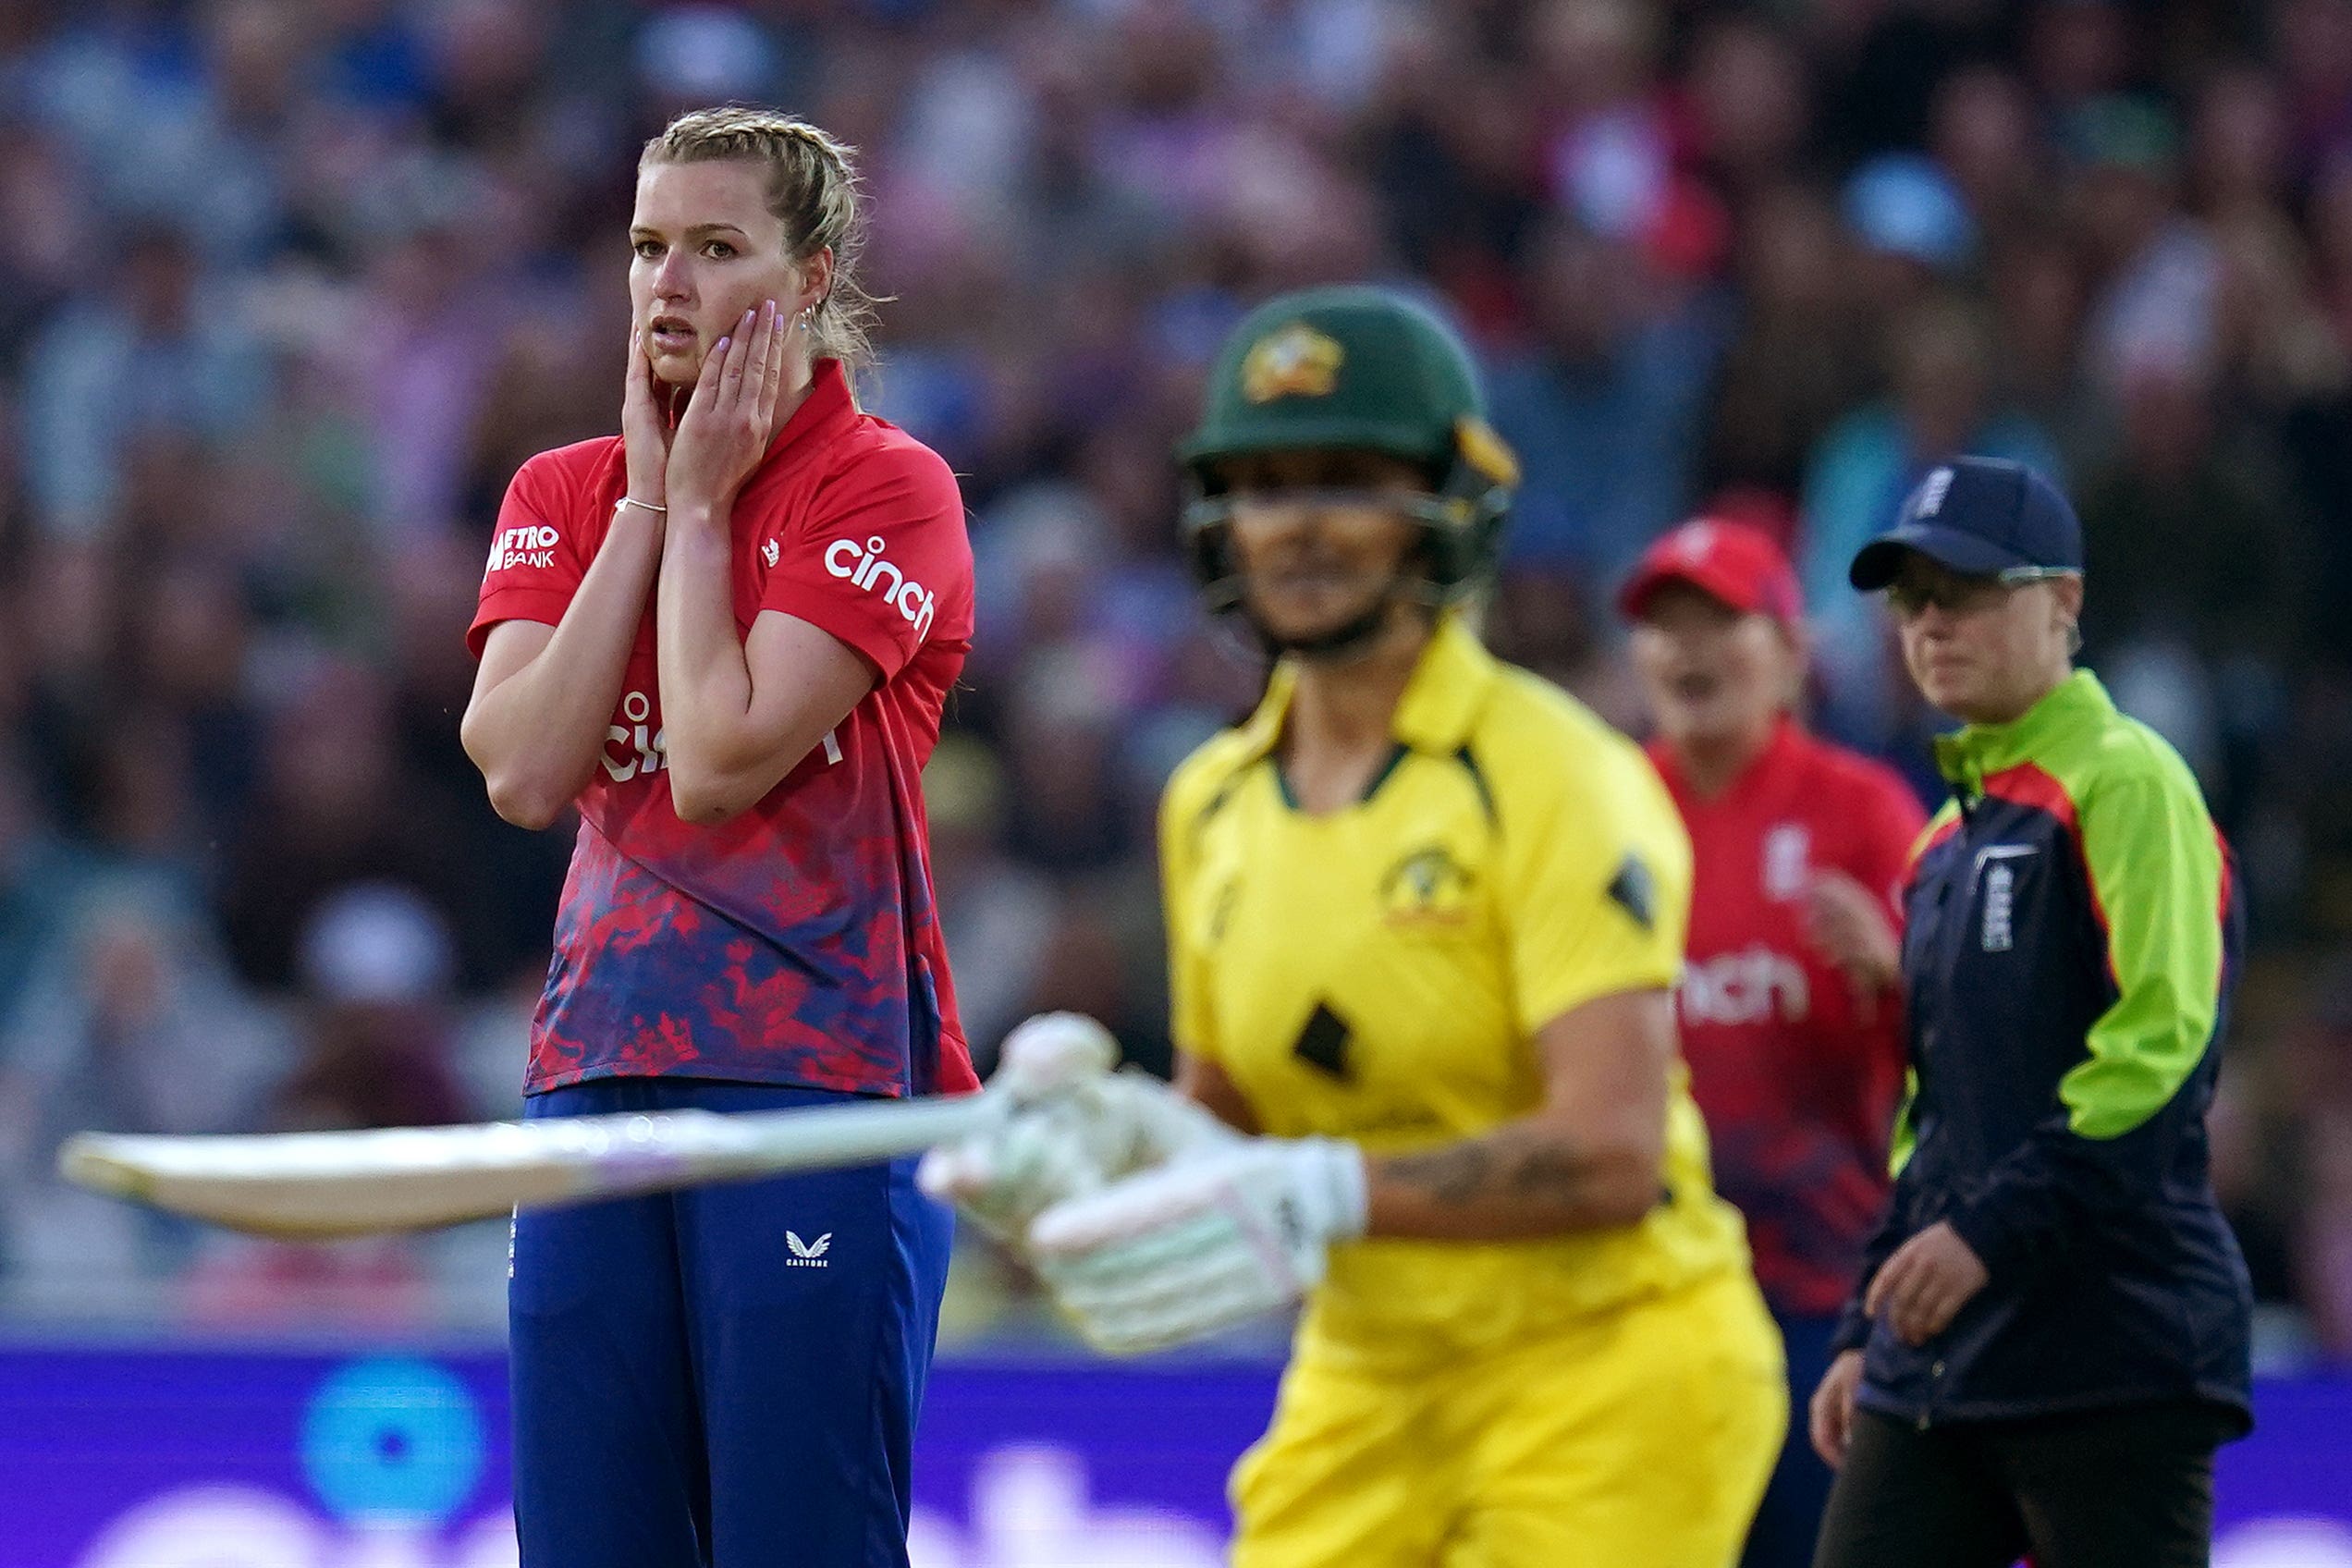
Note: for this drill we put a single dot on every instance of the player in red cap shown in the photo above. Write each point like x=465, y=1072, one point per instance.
x=1789, y=1005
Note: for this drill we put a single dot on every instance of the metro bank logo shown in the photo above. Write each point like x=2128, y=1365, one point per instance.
x=533, y=546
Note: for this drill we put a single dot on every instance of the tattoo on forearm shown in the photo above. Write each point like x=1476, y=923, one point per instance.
x=1455, y=1174
x=1509, y=1163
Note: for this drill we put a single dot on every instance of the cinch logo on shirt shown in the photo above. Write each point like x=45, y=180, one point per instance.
x=863, y=566
x=639, y=752
x=532, y=545
x=1748, y=986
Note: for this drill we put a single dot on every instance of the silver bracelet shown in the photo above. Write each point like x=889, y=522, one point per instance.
x=641, y=505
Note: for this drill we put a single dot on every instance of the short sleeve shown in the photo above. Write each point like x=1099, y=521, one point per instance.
x=1596, y=884
x=883, y=562
x=536, y=557
x=1190, y=1025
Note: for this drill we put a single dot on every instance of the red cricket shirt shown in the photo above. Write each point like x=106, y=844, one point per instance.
x=798, y=943
x=1795, y=1072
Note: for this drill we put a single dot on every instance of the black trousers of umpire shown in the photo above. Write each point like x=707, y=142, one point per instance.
x=2114, y=1488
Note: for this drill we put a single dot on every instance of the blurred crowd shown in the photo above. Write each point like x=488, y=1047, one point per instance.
x=289, y=288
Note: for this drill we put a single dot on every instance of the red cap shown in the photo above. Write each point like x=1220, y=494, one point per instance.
x=1732, y=561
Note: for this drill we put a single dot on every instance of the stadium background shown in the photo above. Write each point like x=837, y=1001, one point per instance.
x=289, y=288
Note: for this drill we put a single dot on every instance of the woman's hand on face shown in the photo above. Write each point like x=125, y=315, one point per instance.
x=645, y=428
x=732, y=416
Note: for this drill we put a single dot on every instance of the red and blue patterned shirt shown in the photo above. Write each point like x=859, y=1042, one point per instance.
x=798, y=942
x=1796, y=1071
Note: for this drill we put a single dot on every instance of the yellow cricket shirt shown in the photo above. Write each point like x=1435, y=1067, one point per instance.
x=1380, y=972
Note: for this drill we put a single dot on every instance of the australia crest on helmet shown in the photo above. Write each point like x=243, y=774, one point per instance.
x=1293, y=360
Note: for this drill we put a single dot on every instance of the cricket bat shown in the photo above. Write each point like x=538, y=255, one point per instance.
x=322, y=1185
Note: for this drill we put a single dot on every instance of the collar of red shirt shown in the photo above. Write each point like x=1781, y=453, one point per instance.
x=830, y=409
x=1766, y=765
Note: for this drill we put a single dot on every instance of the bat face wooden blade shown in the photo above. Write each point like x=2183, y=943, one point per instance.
x=322, y=1186
x=359, y=1197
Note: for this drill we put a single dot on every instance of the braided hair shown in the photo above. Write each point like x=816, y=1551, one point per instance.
x=811, y=189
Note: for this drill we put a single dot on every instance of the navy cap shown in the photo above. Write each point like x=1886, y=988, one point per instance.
x=1978, y=515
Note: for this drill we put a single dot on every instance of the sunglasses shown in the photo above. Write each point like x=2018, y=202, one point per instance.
x=1957, y=594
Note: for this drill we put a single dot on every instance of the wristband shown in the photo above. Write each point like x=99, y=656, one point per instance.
x=641, y=505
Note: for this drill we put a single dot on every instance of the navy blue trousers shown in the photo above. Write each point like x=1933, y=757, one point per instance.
x=728, y=1377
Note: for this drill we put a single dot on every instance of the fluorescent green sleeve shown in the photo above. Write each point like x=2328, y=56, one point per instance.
x=2156, y=876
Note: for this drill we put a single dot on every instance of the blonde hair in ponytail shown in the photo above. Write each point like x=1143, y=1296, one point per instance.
x=811, y=189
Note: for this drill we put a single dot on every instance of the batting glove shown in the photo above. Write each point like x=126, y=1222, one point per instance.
x=1073, y=1126
x=1202, y=1244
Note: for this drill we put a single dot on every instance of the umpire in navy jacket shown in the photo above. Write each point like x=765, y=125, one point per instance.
x=2050, y=1337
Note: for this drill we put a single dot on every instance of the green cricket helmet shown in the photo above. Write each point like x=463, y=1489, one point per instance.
x=1355, y=369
